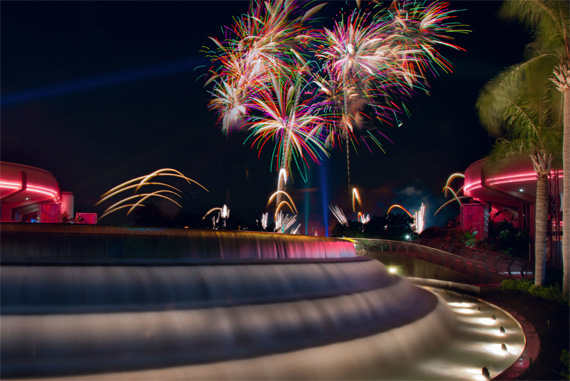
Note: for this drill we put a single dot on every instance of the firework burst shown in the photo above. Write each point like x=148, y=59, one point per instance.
x=305, y=90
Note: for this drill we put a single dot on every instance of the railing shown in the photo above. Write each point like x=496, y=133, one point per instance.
x=480, y=265
x=513, y=267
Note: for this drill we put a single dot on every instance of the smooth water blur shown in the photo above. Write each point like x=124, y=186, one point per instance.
x=45, y=241
x=103, y=303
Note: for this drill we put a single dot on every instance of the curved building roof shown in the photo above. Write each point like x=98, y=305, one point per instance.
x=22, y=183
x=509, y=186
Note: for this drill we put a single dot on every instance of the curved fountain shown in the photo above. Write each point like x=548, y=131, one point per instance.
x=112, y=302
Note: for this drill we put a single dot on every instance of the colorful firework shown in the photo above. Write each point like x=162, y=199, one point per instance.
x=264, y=40
x=139, y=182
x=288, y=121
x=379, y=60
x=305, y=90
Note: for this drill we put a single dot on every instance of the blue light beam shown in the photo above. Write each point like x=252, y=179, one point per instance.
x=78, y=85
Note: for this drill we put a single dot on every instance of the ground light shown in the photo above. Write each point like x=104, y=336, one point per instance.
x=392, y=269
x=488, y=341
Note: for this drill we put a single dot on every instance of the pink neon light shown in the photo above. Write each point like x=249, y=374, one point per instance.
x=9, y=185
x=529, y=176
x=32, y=188
x=469, y=187
x=513, y=178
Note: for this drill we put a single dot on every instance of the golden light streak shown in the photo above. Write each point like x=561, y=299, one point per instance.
x=158, y=194
x=280, y=205
x=294, y=208
x=144, y=196
x=282, y=175
x=160, y=172
x=401, y=207
x=454, y=194
x=448, y=202
x=117, y=208
x=140, y=181
x=210, y=211
x=356, y=197
x=130, y=187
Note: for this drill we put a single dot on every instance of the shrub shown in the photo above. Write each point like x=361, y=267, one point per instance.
x=565, y=358
x=552, y=293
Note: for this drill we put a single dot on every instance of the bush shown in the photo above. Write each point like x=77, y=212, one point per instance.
x=565, y=358
x=508, y=240
x=516, y=284
x=552, y=293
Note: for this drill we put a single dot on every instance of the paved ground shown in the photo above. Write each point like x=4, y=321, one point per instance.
x=551, y=323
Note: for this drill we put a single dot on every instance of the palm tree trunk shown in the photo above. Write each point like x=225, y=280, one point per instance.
x=561, y=79
x=541, y=221
x=566, y=193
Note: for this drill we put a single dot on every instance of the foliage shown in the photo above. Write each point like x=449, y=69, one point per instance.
x=565, y=358
x=503, y=238
x=434, y=233
x=506, y=239
x=552, y=293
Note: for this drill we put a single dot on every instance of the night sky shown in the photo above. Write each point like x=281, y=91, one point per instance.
x=101, y=92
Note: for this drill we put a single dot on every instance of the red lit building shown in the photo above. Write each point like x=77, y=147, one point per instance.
x=29, y=194
x=509, y=194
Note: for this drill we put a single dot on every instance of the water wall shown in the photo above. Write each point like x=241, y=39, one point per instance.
x=119, y=243
x=319, y=314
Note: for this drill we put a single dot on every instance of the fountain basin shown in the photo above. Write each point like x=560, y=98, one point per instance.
x=82, y=302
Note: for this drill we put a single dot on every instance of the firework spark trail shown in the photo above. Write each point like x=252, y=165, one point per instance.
x=450, y=179
x=263, y=223
x=419, y=219
x=224, y=212
x=291, y=204
x=400, y=207
x=138, y=183
x=339, y=214
x=355, y=198
x=447, y=188
x=363, y=218
x=283, y=223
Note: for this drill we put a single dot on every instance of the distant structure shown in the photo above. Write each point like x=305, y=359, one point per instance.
x=509, y=194
x=30, y=194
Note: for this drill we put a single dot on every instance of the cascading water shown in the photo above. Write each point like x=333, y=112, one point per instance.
x=109, y=303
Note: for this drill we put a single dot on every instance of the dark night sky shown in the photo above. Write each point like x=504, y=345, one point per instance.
x=101, y=92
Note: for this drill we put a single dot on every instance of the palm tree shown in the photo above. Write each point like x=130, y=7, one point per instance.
x=522, y=106
x=549, y=20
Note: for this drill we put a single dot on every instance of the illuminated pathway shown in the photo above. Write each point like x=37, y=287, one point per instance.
x=487, y=337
